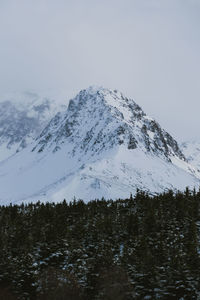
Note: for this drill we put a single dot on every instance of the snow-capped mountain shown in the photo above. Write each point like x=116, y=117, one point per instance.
x=103, y=145
x=191, y=150
x=22, y=117
x=99, y=119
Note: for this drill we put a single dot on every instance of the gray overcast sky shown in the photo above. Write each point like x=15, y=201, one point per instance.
x=148, y=49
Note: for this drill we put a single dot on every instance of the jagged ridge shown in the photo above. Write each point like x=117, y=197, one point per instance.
x=98, y=119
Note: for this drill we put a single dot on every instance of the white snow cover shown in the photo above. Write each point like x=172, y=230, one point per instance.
x=191, y=150
x=102, y=146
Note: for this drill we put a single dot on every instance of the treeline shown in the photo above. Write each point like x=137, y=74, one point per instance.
x=144, y=247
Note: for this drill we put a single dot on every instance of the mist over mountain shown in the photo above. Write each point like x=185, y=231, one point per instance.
x=22, y=117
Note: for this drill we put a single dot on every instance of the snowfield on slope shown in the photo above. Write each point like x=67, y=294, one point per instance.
x=55, y=176
x=192, y=151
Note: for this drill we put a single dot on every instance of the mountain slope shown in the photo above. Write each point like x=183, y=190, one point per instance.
x=191, y=150
x=104, y=145
x=22, y=117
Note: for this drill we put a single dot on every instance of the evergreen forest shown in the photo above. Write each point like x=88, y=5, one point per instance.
x=145, y=247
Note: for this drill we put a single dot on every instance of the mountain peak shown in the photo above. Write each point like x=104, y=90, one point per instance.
x=94, y=89
x=99, y=119
x=110, y=96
